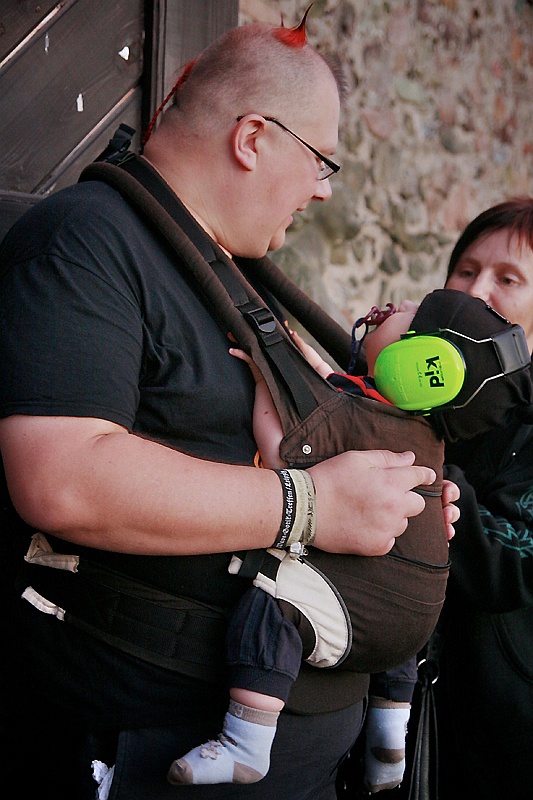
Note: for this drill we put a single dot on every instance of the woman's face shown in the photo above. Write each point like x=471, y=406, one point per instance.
x=500, y=272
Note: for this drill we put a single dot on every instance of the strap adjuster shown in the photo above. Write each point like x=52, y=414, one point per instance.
x=260, y=318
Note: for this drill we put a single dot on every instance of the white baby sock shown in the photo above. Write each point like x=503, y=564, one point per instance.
x=240, y=754
x=386, y=728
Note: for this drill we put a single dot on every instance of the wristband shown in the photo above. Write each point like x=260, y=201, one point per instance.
x=289, y=509
x=298, y=522
x=308, y=535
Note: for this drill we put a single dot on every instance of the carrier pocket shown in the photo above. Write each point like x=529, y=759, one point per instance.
x=394, y=604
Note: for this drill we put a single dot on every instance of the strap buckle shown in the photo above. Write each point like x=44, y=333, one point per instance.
x=116, y=150
x=260, y=318
x=297, y=550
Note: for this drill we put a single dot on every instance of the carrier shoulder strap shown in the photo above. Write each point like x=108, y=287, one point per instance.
x=328, y=333
x=232, y=298
x=332, y=336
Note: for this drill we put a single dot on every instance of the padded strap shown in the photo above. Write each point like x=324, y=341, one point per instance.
x=174, y=632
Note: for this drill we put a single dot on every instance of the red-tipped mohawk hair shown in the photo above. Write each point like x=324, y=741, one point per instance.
x=294, y=37
x=179, y=83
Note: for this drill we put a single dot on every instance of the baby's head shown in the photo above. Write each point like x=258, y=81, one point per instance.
x=471, y=352
x=390, y=330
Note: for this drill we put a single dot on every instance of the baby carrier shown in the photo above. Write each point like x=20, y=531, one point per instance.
x=393, y=601
x=388, y=605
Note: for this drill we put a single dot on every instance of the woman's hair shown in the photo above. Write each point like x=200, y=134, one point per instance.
x=514, y=215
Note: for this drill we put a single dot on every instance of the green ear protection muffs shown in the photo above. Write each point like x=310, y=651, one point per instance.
x=418, y=373
x=462, y=362
x=421, y=372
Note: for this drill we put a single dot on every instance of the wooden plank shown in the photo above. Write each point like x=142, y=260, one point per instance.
x=188, y=33
x=18, y=19
x=68, y=171
x=176, y=32
x=55, y=93
x=154, y=54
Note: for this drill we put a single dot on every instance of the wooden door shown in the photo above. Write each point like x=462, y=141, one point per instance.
x=71, y=71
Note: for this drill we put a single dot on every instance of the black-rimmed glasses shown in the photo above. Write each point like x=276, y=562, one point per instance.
x=327, y=167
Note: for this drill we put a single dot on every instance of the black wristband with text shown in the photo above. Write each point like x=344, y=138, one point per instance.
x=289, y=509
x=298, y=520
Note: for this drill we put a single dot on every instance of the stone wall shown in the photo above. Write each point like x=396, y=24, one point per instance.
x=438, y=125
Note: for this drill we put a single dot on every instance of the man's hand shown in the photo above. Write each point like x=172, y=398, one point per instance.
x=364, y=500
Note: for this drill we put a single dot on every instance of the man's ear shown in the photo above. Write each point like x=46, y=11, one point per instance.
x=245, y=140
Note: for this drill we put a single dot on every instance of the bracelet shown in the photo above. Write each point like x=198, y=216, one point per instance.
x=298, y=522
x=289, y=508
x=308, y=534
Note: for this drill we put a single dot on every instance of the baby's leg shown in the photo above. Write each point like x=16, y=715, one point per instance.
x=264, y=654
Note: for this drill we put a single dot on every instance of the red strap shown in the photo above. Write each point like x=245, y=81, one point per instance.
x=364, y=387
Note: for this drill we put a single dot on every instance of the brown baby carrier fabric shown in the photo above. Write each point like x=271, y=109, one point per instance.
x=394, y=600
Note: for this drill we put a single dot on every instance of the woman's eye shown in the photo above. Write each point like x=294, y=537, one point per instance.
x=464, y=273
x=508, y=280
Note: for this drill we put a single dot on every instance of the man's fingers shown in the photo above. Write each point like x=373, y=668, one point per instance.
x=386, y=459
x=365, y=499
x=414, y=503
x=450, y=495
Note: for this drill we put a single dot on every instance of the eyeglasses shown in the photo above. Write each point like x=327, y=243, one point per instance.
x=327, y=167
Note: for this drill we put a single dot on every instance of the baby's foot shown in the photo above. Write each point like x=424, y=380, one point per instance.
x=240, y=754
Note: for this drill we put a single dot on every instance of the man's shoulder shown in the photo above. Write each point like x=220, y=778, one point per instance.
x=81, y=200
x=89, y=211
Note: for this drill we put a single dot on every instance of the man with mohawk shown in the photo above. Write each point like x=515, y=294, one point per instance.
x=127, y=446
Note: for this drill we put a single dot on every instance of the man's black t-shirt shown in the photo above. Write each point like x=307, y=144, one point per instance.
x=107, y=325
x=99, y=320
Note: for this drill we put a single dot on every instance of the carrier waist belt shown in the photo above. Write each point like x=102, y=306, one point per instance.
x=177, y=633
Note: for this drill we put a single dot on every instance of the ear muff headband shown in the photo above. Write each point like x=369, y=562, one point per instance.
x=425, y=371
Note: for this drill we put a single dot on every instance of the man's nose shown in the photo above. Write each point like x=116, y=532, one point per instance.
x=323, y=190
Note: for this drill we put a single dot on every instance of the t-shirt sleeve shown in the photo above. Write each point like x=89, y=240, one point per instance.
x=70, y=337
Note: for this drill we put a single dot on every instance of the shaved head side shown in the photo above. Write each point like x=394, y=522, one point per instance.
x=250, y=70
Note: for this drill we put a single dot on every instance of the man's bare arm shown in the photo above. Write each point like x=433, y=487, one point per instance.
x=92, y=482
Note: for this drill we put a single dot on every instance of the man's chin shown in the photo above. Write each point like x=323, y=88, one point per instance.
x=277, y=241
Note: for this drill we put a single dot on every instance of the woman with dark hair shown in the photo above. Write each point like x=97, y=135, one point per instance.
x=485, y=690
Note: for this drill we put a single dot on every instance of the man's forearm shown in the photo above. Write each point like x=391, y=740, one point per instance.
x=117, y=491
x=90, y=481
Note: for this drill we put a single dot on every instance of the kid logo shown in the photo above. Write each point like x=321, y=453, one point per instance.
x=434, y=372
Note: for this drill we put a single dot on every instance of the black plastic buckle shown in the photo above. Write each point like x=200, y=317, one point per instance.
x=261, y=318
x=117, y=147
